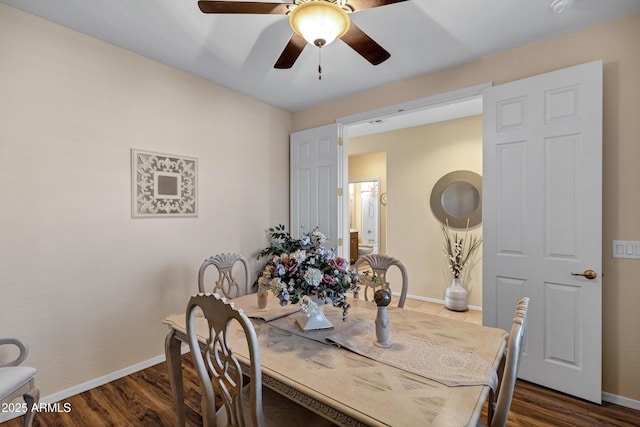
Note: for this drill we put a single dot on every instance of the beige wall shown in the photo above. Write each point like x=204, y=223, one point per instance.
x=81, y=281
x=616, y=43
x=416, y=158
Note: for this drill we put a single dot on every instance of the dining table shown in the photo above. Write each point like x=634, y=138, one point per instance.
x=438, y=371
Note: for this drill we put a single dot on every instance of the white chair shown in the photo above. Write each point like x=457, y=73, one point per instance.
x=19, y=381
x=499, y=408
x=226, y=283
x=220, y=373
x=380, y=264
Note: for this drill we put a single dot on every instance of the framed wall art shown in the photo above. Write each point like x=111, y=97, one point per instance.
x=163, y=185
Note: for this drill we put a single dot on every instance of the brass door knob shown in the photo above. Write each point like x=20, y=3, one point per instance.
x=589, y=274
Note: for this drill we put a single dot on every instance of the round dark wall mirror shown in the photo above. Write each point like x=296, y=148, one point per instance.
x=457, y=197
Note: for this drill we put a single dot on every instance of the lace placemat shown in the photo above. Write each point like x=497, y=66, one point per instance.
x=249, y=304
x=439, y=362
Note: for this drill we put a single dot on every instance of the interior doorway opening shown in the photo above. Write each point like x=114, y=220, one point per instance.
x=364, y=214
x=407, y=202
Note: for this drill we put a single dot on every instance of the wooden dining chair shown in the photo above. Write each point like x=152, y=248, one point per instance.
x=220, y=374
x=498, y=411
x=380, y=265
x=19, y=381
x=227, y=282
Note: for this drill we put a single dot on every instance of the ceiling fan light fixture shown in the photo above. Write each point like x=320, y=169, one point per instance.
x=319, y=22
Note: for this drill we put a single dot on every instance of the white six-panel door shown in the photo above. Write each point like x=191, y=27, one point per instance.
x=314, y=182
x=542, y=221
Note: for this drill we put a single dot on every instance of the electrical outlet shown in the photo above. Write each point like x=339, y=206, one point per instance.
x=626, y=249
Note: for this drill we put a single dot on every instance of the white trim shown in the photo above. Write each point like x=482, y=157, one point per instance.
x=435, y=301
x=621, y=400
x=343, y=201
x=417, y=104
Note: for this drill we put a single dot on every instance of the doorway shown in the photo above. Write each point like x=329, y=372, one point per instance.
x=413, y=159
x=364, y=214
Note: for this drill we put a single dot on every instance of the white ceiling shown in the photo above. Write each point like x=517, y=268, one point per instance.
x=238, y=51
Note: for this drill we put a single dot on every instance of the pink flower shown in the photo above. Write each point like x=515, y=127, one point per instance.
x=329, y=280
x=339, y=263
x=291, y=265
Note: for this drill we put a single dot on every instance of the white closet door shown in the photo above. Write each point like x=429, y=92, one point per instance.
x=542, y=219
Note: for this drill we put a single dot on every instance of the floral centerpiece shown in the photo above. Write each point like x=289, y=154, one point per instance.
x=301, y=268
x=458, y=249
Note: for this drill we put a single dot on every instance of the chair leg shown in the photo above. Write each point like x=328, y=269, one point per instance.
x=491, y=407
x=32, y=397
x=493, y=395
x=174, y=365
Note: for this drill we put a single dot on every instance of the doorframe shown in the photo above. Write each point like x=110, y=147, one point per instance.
x=343, y=123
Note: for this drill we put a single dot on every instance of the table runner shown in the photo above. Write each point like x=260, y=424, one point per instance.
x=425, y=353
x=439, y=362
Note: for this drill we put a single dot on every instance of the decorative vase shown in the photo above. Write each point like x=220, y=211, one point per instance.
x=263, y=295
x=382, y=298
x=310, y=317
x=455, y=296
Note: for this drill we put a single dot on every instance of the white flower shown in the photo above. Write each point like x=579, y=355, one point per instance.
x=299, y=256
x=318, y=236
x=313, y=276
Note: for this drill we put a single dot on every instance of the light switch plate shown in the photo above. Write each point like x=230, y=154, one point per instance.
x=626, y=249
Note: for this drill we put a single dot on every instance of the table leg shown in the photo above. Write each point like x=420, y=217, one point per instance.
x=174, y=364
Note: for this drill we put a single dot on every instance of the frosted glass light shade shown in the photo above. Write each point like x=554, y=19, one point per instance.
x=319, y=21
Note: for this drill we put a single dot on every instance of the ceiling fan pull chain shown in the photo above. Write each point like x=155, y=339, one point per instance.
x=319, y=43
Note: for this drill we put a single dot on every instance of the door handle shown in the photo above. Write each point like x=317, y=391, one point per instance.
x=589, y=274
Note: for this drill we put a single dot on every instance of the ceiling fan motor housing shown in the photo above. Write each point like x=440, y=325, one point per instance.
x=319, y=22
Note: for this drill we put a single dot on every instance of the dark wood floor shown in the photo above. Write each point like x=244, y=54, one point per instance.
x=144, y=399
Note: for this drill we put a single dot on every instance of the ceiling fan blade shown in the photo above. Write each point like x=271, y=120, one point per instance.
x=291, y=52
x=365, y=45
x=243, y=7
x=368, y=4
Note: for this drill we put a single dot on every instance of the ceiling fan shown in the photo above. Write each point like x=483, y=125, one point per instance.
x=317, y=22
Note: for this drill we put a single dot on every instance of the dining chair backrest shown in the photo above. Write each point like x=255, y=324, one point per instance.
x=510, y=373
x=220, y=373
x=227, y=282
x=380, y=265
x=218, y=368
x=19, y=381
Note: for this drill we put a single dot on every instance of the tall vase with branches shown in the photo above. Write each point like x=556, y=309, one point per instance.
x=460, y=251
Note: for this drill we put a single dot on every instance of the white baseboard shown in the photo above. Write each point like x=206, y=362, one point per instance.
x=621, y=401
x=80, y=388
x=436, y=301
